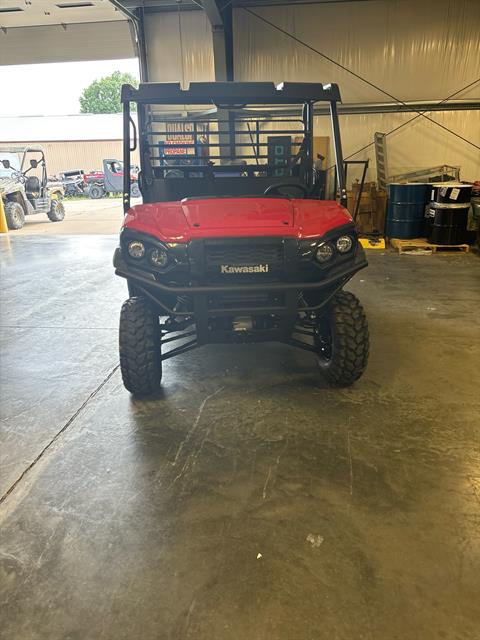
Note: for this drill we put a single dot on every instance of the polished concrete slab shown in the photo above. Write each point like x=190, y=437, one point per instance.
x=249, y=500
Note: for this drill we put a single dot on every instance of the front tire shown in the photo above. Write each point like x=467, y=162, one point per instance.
x=57, y=211
x=342, y=340
x=135, y=190
x=139, y=345
x=15, y=215
x=96, y=192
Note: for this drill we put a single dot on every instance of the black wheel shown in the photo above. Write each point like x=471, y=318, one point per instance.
x=341, y=338
x=135, y=190
x=140, y=350
x=57, y=211
x=95, y=192
x=15, y=215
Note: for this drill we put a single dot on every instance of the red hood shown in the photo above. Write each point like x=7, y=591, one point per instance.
x=229, y=217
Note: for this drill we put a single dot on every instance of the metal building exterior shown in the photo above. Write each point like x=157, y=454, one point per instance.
x=69, y=142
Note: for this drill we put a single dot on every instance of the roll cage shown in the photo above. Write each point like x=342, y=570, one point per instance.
x=24, y=154
x=219, y=139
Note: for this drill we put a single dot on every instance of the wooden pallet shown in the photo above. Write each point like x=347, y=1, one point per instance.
x=418, y=244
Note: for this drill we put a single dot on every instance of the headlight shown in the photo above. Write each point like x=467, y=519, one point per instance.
x=324, y=252
x=136, y=249
x=159, y=257
x=344, y=244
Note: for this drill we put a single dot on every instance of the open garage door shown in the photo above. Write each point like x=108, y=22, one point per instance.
x=63, y=31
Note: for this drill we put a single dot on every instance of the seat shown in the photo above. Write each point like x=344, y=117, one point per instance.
x=32, y=186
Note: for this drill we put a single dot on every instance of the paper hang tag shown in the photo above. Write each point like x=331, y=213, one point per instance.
x=443, y=191
x=454, y=194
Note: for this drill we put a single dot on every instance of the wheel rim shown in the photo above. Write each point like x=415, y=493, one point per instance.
x=323, y=337
x=17, y=216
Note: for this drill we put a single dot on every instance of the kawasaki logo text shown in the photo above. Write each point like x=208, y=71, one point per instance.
x=257, y=268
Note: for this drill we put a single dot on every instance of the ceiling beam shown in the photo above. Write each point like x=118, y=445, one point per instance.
x=213, y=12
x=218, y=38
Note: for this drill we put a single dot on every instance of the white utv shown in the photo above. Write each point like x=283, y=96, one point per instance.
x=24, y=194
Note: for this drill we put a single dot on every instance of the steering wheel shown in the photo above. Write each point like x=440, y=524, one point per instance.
x=18, y=175
x=276, y=189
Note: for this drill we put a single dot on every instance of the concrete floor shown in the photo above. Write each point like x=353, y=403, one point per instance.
x=82, y=216
x=250, y=501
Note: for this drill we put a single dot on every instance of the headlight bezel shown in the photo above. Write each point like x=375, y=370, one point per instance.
x=176, y=252
x=350, y=246
x=140, y=245
x=159, y=250
x=329, y=255
x=307, y=248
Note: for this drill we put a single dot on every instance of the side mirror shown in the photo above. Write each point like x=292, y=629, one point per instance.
x=33, y=163
x=6, y=164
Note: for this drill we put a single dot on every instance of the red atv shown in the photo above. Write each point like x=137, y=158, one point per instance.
x=233, y=243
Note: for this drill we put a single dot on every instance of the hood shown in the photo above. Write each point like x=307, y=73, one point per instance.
x=238, y=213
x=236, y=217
x=8, y=185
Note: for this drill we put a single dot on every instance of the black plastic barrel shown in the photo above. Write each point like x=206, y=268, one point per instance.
x=451, y=193
x=406, y=210
x=447, y=214
x=447, y=223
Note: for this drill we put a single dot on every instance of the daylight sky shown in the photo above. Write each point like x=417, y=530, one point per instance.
x=60, y=83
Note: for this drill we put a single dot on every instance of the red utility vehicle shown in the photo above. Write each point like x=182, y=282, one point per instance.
x=232, y=242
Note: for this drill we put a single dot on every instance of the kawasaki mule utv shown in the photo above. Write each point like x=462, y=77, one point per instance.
x=25, y=195
x=232, y=242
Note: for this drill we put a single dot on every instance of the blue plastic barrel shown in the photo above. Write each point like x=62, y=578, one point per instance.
x=406, y=210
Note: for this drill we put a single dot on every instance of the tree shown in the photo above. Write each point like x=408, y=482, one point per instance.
x=103, y=96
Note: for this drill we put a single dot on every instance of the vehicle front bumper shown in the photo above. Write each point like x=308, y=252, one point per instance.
x=140, y=276
x=203, y=299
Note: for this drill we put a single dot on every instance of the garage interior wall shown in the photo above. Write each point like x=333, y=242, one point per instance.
x=414, y=50
x=77, y=154
x=418, y=145
x=179, y=47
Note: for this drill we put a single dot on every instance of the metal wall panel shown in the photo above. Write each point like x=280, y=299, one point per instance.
x=414, y=50
x=169, y=34
x=81, y=126
x=418, y=145
x=81, y=154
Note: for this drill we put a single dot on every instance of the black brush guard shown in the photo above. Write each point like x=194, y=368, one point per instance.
x=203, y=310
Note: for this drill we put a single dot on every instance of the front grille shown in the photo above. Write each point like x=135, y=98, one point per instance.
x=244, y=254
x=257, y=259
x=247, y=301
